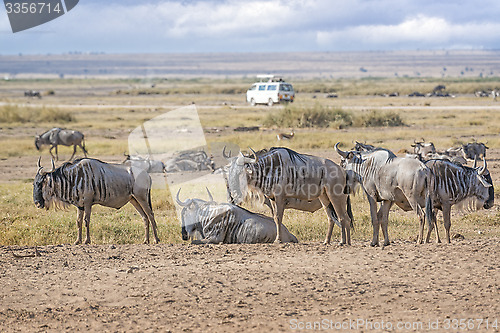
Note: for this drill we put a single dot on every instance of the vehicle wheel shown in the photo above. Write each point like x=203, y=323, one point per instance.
x=270, y=103
x=252, y=102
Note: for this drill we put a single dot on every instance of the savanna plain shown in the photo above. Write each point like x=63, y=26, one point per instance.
x=117, y=284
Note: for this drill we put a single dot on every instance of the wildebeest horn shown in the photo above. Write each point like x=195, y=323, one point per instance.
x=179, y=202
x=39, y=164
x=475, y=162
x=254, y=155
x=482, y=169
x=340, y=152
x=53, y=165
x=210, y=197
x=224, y=153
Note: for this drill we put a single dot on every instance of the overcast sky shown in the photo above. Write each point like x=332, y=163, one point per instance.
x=118, y=26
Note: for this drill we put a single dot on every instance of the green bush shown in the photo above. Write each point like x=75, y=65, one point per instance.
x=318, y=116
x=376, y=119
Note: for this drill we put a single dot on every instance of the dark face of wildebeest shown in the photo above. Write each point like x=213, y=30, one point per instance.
x=485, y=192
x=474, y=150
x=191, y=227
x=39, y=185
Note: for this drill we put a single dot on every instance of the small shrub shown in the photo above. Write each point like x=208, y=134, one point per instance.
x=318, y=116
x=376, y=119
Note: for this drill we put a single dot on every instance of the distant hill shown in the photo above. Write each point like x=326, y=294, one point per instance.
x=467, y=63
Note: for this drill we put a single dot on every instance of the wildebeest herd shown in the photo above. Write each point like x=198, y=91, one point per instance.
x=425, y=182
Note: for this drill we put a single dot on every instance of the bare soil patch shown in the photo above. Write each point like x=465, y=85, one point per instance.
x=222, y=288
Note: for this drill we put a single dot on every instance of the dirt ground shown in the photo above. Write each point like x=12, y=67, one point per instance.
x=260, y=288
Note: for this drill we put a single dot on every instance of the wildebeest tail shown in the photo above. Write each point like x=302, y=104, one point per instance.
x=334, y=215
x=149, y=199
x=349, y=211
x=429, y=214
x=83, y=146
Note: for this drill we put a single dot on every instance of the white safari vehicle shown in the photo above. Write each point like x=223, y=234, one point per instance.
x=269, y=90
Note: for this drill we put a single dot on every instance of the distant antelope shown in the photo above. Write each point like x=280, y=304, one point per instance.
x=284, y=136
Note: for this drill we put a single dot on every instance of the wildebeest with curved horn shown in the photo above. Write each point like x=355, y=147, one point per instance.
x=389, y=179
x=59, y=136
x=456, y=184
x=207, y=222
x=86, y=182
x=282, y=173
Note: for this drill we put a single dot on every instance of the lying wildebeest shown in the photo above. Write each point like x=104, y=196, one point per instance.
x=87, y=182
x=458, y=184
x=58, y=136
x=282, y=173
x=389, y=179
x=226, y=223
x=146, y=164
x=474, y=150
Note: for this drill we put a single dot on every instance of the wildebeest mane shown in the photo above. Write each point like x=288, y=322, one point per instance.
x=294, y=156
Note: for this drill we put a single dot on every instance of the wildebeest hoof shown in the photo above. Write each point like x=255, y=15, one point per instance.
x=372, y=244
x=78, y=242
x=87, y=241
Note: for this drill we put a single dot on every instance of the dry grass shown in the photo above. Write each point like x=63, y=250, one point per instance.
x=106, y=118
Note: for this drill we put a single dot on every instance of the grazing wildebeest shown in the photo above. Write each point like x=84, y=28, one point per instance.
x=32, y=93
x=226, y=223
x=459, y=184
x=86, y=182
x=282, y=173
x=146, y=164
x=390, y=179
x=58, y=136
x=474, y=150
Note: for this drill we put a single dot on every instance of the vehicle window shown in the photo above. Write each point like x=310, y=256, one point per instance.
x=271, y=87
x=262, y=87
x=254, y=87
x=284, y=87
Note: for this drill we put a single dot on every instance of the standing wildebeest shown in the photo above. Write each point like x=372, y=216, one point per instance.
x=226, y=223
x=58, y=136
x=290, y=203
x=390, y=179
x=423, y=148
x=474, y=150
x=455, y=184
x=86, y=182
x=283, y=173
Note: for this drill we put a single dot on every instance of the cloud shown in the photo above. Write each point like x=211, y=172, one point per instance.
x=420, y=31
x=262, y=25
